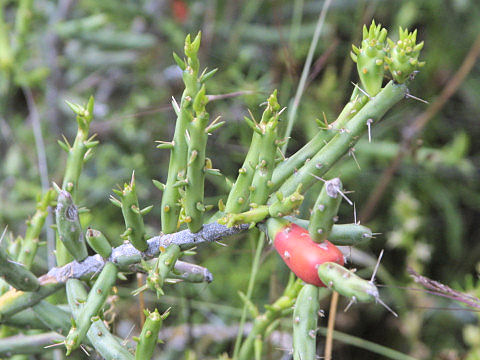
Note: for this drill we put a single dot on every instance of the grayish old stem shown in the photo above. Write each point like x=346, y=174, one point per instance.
x=126, y=255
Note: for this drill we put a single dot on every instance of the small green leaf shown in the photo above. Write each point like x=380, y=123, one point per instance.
x=180, y=62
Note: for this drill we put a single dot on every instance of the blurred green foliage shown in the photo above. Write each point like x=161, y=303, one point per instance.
x=120, y=52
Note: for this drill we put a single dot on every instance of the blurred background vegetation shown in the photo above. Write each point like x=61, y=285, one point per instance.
x=121, y=53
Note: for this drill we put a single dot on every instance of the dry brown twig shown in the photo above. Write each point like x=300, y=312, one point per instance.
x=443, y=290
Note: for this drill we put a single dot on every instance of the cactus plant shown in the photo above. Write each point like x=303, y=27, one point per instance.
x=268, y=194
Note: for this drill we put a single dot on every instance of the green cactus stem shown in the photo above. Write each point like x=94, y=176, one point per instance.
x=280, y=308
x=325, y=210
x=53, y=317
x=346, y=283
x=14, y=245
x=158, y=273
x=26, y=319
x=238, y=196
x=17, y=275
x=14, y=301
x=95, y=300
x=340, y=144
x=133, y=216
x=305, y=317
x=109, y=347
x=182, y=271
x=237, y=200
x=98, y=242
x=342, y=234
x=402, y=59
x=288, y=167
x=249, y=305
x=176, y=171
x=79, y=151
x=69, y=229
x=191, y=273
x=197, y=142
x=261, y=186
x=349, y=234
x=171, y=205
x=148, y=338
x=258, y=347
x=283, y=207
x=350, y=285
x=370, y=58
x=29, y=243
x=78, y=154
x=27, y=344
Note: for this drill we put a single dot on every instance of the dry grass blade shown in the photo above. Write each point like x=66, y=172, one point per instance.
x=443, y=290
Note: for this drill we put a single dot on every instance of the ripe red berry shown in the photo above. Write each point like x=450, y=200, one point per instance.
x=301, y=254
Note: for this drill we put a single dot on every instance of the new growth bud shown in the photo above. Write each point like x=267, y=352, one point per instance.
x=370, y=56
x=402, y=59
